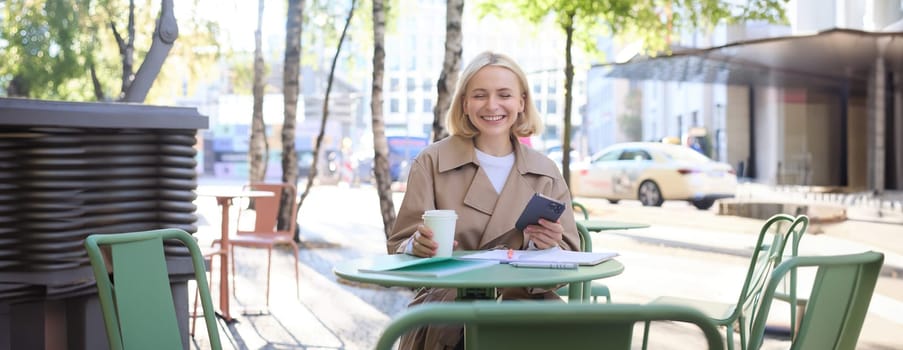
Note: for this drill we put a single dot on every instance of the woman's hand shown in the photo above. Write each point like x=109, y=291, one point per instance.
x=424, y=245
x=545, y=235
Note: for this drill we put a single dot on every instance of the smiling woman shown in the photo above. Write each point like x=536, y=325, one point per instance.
x=486, y=176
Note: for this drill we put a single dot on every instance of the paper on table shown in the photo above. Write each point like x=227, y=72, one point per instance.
x=429, y=267
x=551, y=255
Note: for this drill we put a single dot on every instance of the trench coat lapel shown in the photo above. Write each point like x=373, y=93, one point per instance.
x=510, y=203
x=481, y=194
x=457, y=153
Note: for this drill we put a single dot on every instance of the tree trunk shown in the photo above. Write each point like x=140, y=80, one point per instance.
x=126, y=50
x=165, y=34
x=449, y=76
x=259, y=148
x=18, y=87
x=95, y=83
x=568, y=97
x=290, y=90
x=338, y=49
x=380, y=145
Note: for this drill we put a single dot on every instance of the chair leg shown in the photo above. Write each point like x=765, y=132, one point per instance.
x=194, y=313
x=232, y=284
x=297, y=275
x=269, y=266
x=197, y=293
x=798, y=319
x=730, y=337
x=646, y=335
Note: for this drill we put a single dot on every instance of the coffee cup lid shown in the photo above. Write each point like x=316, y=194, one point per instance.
x=441, y=212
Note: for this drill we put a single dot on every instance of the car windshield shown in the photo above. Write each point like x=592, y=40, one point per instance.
x=685, y=154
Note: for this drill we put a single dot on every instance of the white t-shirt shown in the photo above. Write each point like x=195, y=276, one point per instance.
x=497, y=168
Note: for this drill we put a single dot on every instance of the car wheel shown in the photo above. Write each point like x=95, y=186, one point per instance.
x=649, y=194
x=704, y=204
x=614, y=201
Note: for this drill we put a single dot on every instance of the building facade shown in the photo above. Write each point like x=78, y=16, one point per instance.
x=815, y=103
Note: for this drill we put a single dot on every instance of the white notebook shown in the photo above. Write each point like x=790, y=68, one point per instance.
x=552, y=255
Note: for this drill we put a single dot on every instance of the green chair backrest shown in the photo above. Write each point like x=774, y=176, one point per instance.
x=838, y=302
x=576, y=205
x=586, y=245
x=137, y=305
x=765, y=257
x=581, y=290
x=586, y=242
x=545, y=325
x=796, y=230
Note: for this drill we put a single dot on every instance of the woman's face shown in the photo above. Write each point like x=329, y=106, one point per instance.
x=492, y=101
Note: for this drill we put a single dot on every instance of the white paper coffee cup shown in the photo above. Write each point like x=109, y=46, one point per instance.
x=442, y=223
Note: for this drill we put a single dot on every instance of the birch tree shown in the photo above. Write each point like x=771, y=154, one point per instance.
x=449, y=77
x=290, y=89
x=259, y=147
x=338, y=50
x=380, y=145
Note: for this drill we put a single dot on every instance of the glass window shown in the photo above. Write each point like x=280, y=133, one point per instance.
x=537, y=88
x=552, y=106
x=635, y=154
x=394, y=64
x=411, y=84
x=427, y=106
x=393, y=84
x=427, y=84
x=608, y=156
x=393, y=105
x=410, y=103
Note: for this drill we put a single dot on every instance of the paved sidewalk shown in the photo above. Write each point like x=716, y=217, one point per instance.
x=820, y=239
x=328, y=314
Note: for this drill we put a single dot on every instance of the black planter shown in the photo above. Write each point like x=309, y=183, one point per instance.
x=68, y=170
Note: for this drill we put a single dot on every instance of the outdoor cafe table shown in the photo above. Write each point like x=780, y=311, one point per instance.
x=224, y=199
x=479, y=283
x=607, y=225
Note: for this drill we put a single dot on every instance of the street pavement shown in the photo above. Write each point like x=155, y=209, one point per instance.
x=683, y=245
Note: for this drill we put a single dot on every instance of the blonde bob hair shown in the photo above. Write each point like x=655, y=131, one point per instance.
x=527, y=123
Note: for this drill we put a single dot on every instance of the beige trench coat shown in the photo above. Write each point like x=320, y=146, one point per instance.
x=447, y=175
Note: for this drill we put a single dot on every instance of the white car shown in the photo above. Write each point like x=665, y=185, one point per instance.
x=652, y=173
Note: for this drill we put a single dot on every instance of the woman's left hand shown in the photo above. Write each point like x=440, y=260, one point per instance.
x=545, y=235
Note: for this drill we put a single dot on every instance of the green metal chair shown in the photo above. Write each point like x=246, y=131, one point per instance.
x=838, y=302
x=591, y=290
x=765, y=257
x=545, y=325
x=137, y=306
x=788, y=290
x=576, y=205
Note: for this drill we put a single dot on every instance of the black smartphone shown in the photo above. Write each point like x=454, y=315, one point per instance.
x=539, y=206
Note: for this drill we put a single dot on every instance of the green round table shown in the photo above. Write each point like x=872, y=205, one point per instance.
x=485, y=279
x=593, y=225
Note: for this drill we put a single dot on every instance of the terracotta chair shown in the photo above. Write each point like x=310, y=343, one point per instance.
x=265, y=233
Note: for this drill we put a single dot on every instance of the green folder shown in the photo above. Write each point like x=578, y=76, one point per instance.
x=430, y=267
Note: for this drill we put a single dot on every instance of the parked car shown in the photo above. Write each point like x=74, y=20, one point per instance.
x=402, y=151
x=653, y=172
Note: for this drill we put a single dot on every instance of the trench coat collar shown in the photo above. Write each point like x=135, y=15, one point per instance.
x=503, y=207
